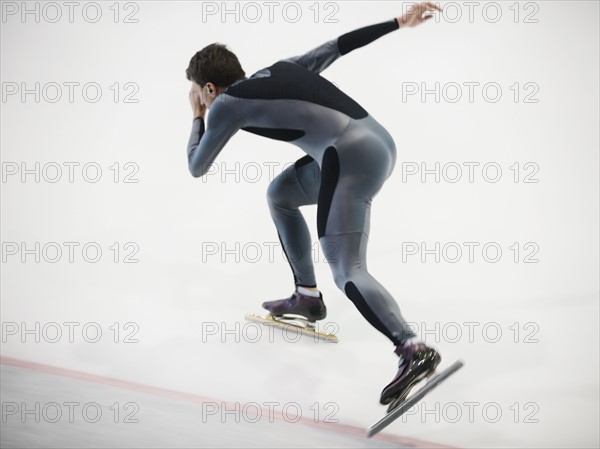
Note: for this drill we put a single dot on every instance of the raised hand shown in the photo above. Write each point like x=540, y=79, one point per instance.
x=195, y=96
x=418, y=14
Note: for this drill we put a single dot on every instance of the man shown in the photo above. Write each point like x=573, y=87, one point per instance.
x=349, y=157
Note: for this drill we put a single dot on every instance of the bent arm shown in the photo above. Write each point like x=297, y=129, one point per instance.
x=321, y=57
x=206, y=143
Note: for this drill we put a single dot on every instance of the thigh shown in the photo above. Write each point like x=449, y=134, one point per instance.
x=298, y=184
x=350, y=177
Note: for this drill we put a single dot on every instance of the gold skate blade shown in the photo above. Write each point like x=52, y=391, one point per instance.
x=293, y=323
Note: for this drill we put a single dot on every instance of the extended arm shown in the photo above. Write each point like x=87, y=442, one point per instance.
x=206, y=142
x=321, y=57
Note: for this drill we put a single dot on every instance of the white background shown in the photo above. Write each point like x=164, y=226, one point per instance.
x=175, y=292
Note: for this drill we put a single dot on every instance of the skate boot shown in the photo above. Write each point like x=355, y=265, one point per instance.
x=309, y=307
x=417, y=361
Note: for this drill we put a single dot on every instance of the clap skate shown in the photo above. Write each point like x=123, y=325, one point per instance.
x=298, y=313
x=417, y=362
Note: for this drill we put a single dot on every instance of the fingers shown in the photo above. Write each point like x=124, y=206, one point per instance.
x=193, y=92
x=424, y=8
x=431, y=6
x=195, y=97
x=419, y=11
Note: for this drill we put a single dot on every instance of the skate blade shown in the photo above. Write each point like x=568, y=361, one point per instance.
x=292, y=323
x=404, y=406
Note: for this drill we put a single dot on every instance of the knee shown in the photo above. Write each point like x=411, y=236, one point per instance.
x=281, y=193
x=345, y=271
x=344, y=267
x=342, y=275
x=340, y=280
x=276, y=196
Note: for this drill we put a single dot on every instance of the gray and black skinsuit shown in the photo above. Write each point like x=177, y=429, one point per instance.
x=349, y=157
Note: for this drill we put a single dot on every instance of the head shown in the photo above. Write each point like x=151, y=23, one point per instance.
x=213, y=69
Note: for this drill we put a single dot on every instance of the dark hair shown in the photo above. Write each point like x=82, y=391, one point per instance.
x=215, y=64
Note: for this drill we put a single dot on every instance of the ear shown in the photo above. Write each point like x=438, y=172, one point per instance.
x=211, y=88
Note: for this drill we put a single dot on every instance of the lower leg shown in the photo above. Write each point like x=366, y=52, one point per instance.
x=296, y=186
x=293, y=188
x=416, y=360
x=346, y=255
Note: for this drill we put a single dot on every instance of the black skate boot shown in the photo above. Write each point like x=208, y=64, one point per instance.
x=309, y=307
x=417, y=362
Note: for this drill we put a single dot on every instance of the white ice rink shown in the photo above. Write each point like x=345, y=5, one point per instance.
x=124, y=280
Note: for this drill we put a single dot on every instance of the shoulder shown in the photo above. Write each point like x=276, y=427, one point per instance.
x=224, y=110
